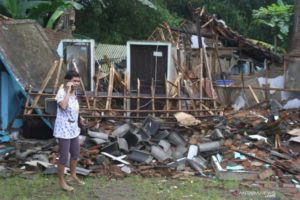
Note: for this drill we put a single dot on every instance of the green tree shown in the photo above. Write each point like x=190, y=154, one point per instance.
x=294, y=40
x=55, y=8
x=277, y=18
x=45, y=11
x=114, y=21
x=236, y=14
x=18, y=9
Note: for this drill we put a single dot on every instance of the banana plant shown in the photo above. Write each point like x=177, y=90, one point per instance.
x=19, y=9
x=148, y=3
x=56, y=8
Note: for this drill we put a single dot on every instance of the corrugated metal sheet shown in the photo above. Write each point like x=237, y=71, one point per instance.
x=115, y=53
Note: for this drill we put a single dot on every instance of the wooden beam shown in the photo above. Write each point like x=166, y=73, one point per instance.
x=209, y=76
x=44, y=84
x=83, y=88
x=96, y=85
x=138, y=96
x=167, y=96
x=110, y=88
x=253, y=93
x=152, y=96
x=57, y=75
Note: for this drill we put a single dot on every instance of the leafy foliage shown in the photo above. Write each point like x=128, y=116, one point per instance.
x=18, y=8
x=55, y=7
x=276, y=17
x=117, y=21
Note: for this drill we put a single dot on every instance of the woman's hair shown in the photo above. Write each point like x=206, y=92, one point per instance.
x=70, y=74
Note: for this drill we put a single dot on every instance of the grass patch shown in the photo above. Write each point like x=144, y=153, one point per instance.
x=41, y=187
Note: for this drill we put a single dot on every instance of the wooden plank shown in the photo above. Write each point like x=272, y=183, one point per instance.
x=57, y=76
x=125, y=91
x=83, y=88
x=227, y=94
x=44, y=84
x=110, y=88
x=209, y=75
x=201, y=77
x=207, y=23
x=117, y=76
x=253, y=93
x=208, y=109
x=285, y=73
x=152, y=96
x=167, y=97
x=179, y=92
x=97, y=84
x=169, y=31
x=138, y=95
x=27, y=100
x=162, y=35
x=266, y=80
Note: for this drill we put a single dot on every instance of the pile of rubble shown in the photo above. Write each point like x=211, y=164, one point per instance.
x=256, y=146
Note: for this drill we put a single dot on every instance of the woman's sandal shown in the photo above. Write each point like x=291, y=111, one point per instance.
x=67, y=188
x=77, y=181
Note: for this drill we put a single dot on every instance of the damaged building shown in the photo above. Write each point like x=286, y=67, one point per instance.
x=164, y=112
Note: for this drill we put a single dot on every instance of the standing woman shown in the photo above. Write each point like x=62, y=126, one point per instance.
x=66, y=128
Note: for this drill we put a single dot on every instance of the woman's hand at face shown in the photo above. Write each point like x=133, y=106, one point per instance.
x=69, y=86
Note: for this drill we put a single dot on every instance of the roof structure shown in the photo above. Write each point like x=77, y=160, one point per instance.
x=25, y=51
x=211, y=27
x=230, y=37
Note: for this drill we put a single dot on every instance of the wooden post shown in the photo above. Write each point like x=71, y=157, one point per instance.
x=266, y=80
x=209, y=76
x=83, y=88
x=57, y=75
x=96, y=86
x=179, y=93
x=125, y=93
x=44, y=84
x=253, y=93
x=170, y=32
x=110, y=89
x=162, y=35
x=200, y=78
x=285, y=72
x=227, y=93
x=152, y=96
x=138, y=97
x=167, y=97
x=27, y=100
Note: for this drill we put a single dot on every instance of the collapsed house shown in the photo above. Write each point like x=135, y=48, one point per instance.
x=243, y=71
x=173, y=91
x=25, y=55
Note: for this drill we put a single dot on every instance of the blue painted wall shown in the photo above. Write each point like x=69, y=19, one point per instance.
x=11, y=99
